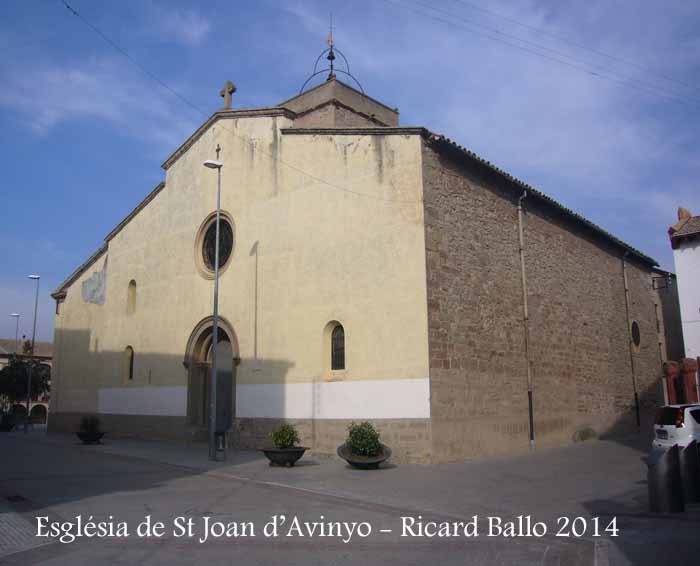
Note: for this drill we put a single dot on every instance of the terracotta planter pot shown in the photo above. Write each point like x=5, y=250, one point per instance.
x=284, y=456
x=364, y=462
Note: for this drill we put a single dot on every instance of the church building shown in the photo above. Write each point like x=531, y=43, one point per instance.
x=369, y=271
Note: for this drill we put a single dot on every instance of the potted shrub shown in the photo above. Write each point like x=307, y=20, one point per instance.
x=285, y=452
x=363, y=449
x=89, y=431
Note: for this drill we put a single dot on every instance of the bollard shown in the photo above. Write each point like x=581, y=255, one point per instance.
x=664, y=482
x=689, y=461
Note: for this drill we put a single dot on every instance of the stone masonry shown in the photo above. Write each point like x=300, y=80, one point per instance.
x=580, y=353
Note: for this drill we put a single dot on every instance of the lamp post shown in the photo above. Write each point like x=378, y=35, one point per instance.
x=16, y=317
x=31, y=353
x=214, y=164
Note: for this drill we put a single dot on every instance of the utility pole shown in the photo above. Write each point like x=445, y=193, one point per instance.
x=31, y=353
x=215, y=164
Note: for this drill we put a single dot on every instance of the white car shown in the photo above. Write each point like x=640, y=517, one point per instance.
x=676, y=424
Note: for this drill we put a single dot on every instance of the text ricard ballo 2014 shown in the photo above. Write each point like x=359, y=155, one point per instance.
x=207, y=528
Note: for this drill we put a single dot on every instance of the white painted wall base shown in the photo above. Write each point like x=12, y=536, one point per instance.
x=168, y=401
x=385, y=399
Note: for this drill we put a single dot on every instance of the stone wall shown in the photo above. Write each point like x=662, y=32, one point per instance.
x=129, y=426
x=335, y=115
x=582, y=378
x=409, y=439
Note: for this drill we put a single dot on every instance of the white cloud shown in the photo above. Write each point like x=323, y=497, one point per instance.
x=621, y=157
x=107, y=90
x=181, y=25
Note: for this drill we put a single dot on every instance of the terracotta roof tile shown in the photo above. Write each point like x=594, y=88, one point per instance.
x=690, y=227
x=44, y=349
x=544, y=198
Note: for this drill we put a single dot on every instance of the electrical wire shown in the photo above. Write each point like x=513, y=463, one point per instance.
x=539, y=51
x=576, y=44
x=197, y=108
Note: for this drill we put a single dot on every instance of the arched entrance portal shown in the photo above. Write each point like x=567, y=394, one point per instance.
x=198, y=364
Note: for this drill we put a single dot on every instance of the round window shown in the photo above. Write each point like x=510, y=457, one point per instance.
x=205, y=244
x=636, y=336
x=225, y=244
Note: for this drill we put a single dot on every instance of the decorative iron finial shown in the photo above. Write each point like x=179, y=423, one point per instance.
x=330, y=53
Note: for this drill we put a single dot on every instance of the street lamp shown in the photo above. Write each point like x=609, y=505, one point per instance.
x=16, y=317
x=215, y=164
x=31, y=353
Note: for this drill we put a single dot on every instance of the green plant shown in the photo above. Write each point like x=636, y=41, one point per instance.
x=13, y=380
x=90, y=424
x=363, y=439
x=284, y=436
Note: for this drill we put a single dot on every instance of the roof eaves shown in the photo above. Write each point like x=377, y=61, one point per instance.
x=338, y=103
x=159, y=187
x=447, y=142
x=690, y=227
x=218, y=115
x=362, y=131
x=60, y=292
x=346, y=85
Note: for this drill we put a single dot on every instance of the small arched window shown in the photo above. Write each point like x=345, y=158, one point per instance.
x=338, y=348
x=131, y=298
x=129, y=363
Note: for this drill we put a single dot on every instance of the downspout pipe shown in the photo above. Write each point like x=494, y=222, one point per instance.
x=629, y=338
x=526, y=320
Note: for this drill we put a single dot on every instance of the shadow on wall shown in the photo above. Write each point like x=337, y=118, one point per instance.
x=632, y=500
x=148, y=394
x=161, y=396
x=624, y=430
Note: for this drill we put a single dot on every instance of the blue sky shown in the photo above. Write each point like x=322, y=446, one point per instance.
x=84, y=132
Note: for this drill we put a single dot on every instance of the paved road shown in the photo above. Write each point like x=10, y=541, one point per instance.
x=54, y=477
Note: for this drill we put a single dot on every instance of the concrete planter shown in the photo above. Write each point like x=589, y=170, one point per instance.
x=284, y=456
x=90, y=437
x=364, y=462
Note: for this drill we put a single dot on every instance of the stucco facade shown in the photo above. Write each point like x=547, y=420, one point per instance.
x=341, y=216
x=685, y=241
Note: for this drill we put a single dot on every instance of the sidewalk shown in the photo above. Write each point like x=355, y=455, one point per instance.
x=17, y=532
x=594, y=478
x=133, y=477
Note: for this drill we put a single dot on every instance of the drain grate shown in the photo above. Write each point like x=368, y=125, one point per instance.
x=15, y=498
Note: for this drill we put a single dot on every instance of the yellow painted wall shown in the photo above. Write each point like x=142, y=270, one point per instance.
x=323, y=254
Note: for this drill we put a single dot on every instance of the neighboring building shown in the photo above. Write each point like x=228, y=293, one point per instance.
x=370, y=271
x=43, y=353
x=668, y=324
x=685, y=241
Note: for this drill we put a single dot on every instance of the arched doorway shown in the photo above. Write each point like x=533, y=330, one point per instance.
x=18, y=410
x=198, y=363
x=38, y=414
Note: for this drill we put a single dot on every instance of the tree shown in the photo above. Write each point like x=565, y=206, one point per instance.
x=13, y=380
